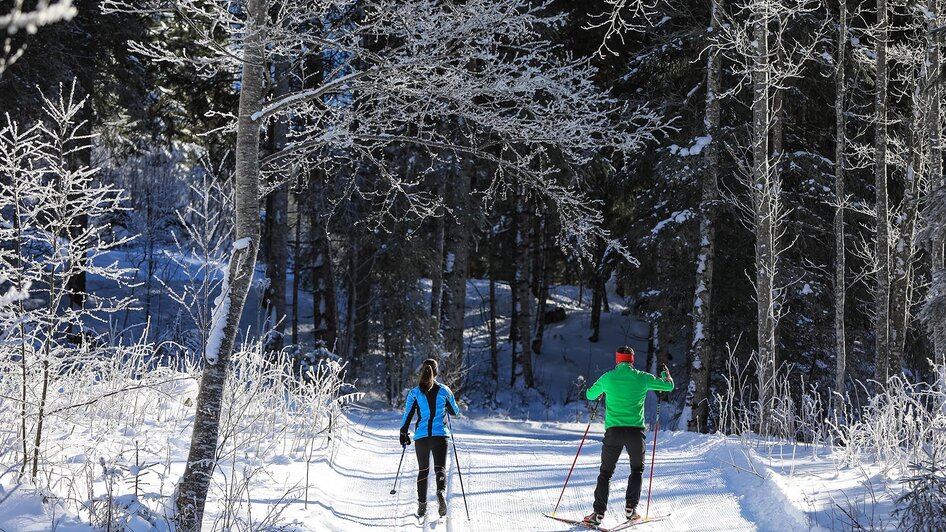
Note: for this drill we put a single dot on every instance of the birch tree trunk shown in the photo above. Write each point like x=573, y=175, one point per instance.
x=936, y=165
x=882, y=290
x=201, y=459
x=840, y=284
x=700, y=354
x=903, y=251
x=455, y=272
x=522, y=286
x=765, y=206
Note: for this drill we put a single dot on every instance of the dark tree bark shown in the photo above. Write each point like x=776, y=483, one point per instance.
x=493, y=344
x=544, y=278
x=296, y=273
x=321, y=266
x=882, y=244
x=439, y=237
x=455, y=272
x=276, y=229
x=362, y=281
x=840, y=283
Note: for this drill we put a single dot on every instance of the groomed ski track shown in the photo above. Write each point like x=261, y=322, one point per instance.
x=513, y=473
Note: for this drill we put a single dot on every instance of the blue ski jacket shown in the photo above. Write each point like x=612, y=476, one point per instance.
x=429, y=407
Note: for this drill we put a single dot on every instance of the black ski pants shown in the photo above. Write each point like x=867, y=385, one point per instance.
x=617, y=439
x=424, y=447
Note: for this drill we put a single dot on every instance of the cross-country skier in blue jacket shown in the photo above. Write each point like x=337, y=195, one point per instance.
x=429, y=400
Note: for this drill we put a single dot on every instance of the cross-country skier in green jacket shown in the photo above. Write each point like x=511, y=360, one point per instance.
x=625, y=389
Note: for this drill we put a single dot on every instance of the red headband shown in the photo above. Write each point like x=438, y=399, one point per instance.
x=624, y=357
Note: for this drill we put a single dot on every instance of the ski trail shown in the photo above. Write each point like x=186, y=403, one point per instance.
x=513, y=473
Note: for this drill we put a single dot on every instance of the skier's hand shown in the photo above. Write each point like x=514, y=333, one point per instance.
x=664, y=372
x=405, y=438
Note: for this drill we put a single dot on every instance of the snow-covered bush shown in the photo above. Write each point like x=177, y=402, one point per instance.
x=923, y=503
x=49, y=207
x=902, y=424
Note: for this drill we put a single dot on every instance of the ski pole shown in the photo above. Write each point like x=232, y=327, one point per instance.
x=653, y=454
x=593, y=413
x=399, y=464
x=456, y=460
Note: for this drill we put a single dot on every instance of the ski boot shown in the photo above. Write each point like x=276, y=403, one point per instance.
x=631, y=514
x=421, y=508
x=442, y=503
x=593, y=519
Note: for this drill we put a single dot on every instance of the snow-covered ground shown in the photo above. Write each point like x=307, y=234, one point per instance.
x=513, y=473
x=277, y=471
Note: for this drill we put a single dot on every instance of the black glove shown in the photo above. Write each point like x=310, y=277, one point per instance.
x=405, y=438
x=663, y=369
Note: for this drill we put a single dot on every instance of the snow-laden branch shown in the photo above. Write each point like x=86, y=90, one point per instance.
x=336, y=85
x=43, y=14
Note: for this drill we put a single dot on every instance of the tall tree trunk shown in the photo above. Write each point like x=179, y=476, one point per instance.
x=201, y=459
x=276, y=250
x=296, y=277
x=493, y=344
x=276, y=230
x=522, y=286
x=598, y=294
x=662, y=330
x=455, y=272
x=652, y=345
x=362, y=281
x=882, y=289
x=840, y=284
x=76, y=284
x=513, y=330
x=544, y=278
x=764, y=202
x=936, y=166
x=903, y=251
x=324, y=295
x=700, y=354
x=439, y=237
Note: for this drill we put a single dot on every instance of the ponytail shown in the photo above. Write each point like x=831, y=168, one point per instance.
x=428, y=370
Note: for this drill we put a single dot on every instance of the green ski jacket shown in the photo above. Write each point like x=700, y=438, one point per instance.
x=626, y=388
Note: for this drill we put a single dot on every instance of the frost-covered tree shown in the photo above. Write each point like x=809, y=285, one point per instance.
x=881, y=207
x=397, y=77
x=44, y=196
x=700, y=351
x=23, y=17
x=768, y=57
